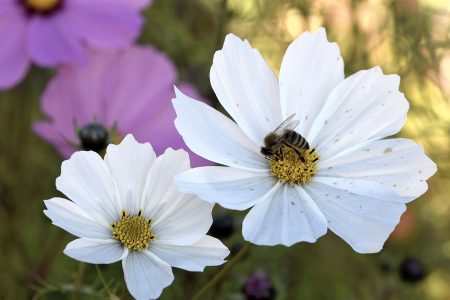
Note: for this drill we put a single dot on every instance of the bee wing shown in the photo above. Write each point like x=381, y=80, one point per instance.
x=288, y=124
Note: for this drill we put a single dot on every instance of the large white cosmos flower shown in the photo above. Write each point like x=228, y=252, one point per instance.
x=127, y=208
x=350, y=180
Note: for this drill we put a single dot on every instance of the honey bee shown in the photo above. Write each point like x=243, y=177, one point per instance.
x=284, y=135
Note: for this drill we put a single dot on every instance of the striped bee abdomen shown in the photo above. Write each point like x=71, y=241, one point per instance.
x=296, y=139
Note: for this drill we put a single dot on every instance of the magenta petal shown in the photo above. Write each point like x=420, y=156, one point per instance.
x=129, y=88
x=144, y=75
x=73, y=95
x=50, y=133
x=102, y=23
x=138, y=4
x=49, y=44
x=14, y=60
x=160, y=130
x=8, y=8
x=191, y=91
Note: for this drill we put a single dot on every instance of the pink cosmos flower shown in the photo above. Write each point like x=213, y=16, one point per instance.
x=116, y=93
x=50, y=32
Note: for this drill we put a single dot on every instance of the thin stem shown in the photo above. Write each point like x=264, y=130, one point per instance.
x=78, y=280
x=223, y=272
x=102, y=279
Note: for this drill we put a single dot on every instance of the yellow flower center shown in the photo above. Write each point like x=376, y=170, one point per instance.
x=133, y=231
x=294, y=166
x=42, y=5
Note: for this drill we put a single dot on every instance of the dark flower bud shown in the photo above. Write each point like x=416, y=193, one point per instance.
x=222, y=226
x=93, y=137
x=258, y=287
x=412, y=270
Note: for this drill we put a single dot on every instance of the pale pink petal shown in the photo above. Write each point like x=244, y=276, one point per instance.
x=130, y=89
x=142, y=74
x=50, y=133
x=72, y=96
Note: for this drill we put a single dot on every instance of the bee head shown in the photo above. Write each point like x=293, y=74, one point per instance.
x=270, y=140
x=266, y=151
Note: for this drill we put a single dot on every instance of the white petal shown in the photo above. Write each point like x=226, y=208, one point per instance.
x=159, y=185
x=366, y=106
x=213, y=136
x=362, y=213
x=246, y=87
x=96, y=251
x=177, y=219
x=129, y=163
x=231, y=188
x=71, y=218
x=397, y=164
x=146, y=275
x=286, y=216
x=85, y=179
x=360, y=187
x=311, y=68
x=183, y=221
x=208, y=251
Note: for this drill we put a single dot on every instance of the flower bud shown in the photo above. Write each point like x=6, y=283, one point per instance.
x=93, y=137
x=412, y=270
x=259, y=287
x=223, y=226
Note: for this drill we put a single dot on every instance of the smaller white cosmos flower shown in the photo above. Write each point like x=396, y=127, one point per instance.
x=126, y=207
x=334, y=170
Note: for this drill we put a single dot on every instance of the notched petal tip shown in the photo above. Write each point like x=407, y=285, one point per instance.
x=129, y=138
x=231, y=37
x=181, y=98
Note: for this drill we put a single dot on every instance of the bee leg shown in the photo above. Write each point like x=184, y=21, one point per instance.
x=296, y=151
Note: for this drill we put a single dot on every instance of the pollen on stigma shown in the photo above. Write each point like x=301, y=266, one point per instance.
x=42, y=5
x=294, y=166
x=133, y=231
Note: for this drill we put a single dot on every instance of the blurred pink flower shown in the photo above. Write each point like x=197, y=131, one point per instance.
x=139, y=4
x=50, y=32
x=130, y=90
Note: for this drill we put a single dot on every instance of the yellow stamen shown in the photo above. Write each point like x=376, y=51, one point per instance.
x=42, y=5
x=292, y=167
x=133, y=231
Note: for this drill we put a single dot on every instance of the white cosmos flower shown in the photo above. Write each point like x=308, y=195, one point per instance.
x=360, y=183
x=127, y=208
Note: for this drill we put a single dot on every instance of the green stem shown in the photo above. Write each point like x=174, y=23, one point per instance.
x=102, y=279
x=223, y=272
x=78, y=280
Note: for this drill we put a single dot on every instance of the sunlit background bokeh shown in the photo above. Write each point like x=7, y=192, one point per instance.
x=406, y=37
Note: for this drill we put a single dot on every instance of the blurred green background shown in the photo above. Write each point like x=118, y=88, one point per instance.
x=407, y=37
